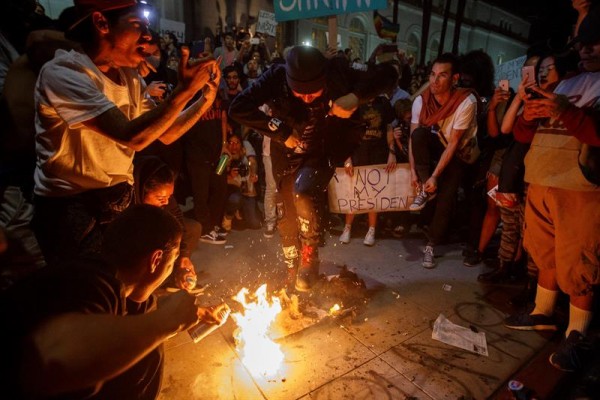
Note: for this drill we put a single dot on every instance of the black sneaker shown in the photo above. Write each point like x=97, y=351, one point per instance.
x=472, y=259
x=528, y=322
x=213, y=238
x=572, y=353
x=220, y=231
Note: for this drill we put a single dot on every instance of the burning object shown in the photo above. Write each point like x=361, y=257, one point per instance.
x=258, y=352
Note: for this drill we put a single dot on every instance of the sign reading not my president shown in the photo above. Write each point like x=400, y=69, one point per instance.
x=370, y=189
x=289, y=10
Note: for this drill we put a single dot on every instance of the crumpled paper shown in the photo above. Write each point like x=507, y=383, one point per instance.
x=459, y=336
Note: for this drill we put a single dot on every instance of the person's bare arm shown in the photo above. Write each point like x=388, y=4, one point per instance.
x=75, y=351
x=499, y=96
x=453, y=142
x=167, y=119
x=414, y=177
x=582, y=7
x=391, y=161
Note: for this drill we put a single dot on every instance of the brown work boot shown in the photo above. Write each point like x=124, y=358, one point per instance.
x=308, y=272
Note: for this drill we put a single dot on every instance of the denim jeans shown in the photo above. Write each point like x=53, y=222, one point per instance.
x=270, y=193
x=301, y=192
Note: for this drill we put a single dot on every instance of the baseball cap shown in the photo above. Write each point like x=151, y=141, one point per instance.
x=85, y=8
x=305, y=68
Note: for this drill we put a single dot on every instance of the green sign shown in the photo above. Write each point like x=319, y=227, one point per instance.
x=289, y=10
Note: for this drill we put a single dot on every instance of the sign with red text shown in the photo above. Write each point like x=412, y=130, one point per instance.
x=371, y=188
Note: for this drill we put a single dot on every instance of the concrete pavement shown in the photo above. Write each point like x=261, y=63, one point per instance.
x=384, y=352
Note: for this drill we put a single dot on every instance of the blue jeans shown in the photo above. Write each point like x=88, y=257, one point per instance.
x=246, y=205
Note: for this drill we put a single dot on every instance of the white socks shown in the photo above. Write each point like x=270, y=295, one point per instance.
x=579, y=320
x=545, y=300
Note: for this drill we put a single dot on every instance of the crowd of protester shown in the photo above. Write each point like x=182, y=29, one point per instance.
x=172, y=122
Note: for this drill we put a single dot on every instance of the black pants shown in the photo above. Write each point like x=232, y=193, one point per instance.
x=426, y=150
x=209, y=191
x=71, y=226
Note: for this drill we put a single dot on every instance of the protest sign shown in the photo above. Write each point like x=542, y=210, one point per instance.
x=289, y=10
x=371, y=188
x=511, y=71
x=266, y=23
x=175, y=27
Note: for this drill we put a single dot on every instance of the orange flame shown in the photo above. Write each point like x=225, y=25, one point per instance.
x=259, y=353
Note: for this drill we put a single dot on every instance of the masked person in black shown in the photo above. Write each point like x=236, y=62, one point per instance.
x=313, y=128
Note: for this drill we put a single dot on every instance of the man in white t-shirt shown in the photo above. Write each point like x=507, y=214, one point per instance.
x=91, y=117
x=443, y=133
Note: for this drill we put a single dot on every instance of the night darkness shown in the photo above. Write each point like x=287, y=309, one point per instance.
x=551, y=20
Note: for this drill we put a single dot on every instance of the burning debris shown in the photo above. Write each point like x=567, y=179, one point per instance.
x=263, y=322
x=258, y=352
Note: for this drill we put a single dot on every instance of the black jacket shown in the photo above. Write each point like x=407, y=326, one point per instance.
x=334, y=138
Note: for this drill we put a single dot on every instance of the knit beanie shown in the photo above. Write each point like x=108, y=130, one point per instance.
x=305, y=69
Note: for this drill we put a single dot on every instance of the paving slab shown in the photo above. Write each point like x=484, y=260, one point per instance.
x=372, y=380
x=384, y=351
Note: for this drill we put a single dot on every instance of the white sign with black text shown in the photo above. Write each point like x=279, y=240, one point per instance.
x=266, y=23
x=371, y=188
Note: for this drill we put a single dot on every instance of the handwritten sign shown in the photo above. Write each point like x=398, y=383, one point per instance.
x=175, y=27
x=289, y=10
x=371, y=189
x=511, y=70
x=266, y=23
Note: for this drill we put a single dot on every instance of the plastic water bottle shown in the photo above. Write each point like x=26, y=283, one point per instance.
x=203, y=329
x=222, y=164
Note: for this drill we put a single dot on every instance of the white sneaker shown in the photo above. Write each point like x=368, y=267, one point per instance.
x=345, y=236
x=213, y=238
x=370, y=237
x=428, y=258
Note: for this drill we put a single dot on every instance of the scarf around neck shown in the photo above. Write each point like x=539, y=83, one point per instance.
x=432, y=112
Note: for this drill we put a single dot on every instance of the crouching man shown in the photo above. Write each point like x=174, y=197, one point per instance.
x=95, y=331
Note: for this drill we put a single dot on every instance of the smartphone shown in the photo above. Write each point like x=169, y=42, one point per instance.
x=504, y=85
x=528, y=75
x=254, y=41
x=532, y=93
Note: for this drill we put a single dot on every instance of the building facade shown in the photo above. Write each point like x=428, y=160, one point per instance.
x=501, y=34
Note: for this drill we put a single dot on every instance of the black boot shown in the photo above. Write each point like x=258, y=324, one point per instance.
x=502, y=274
x=308, y=272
